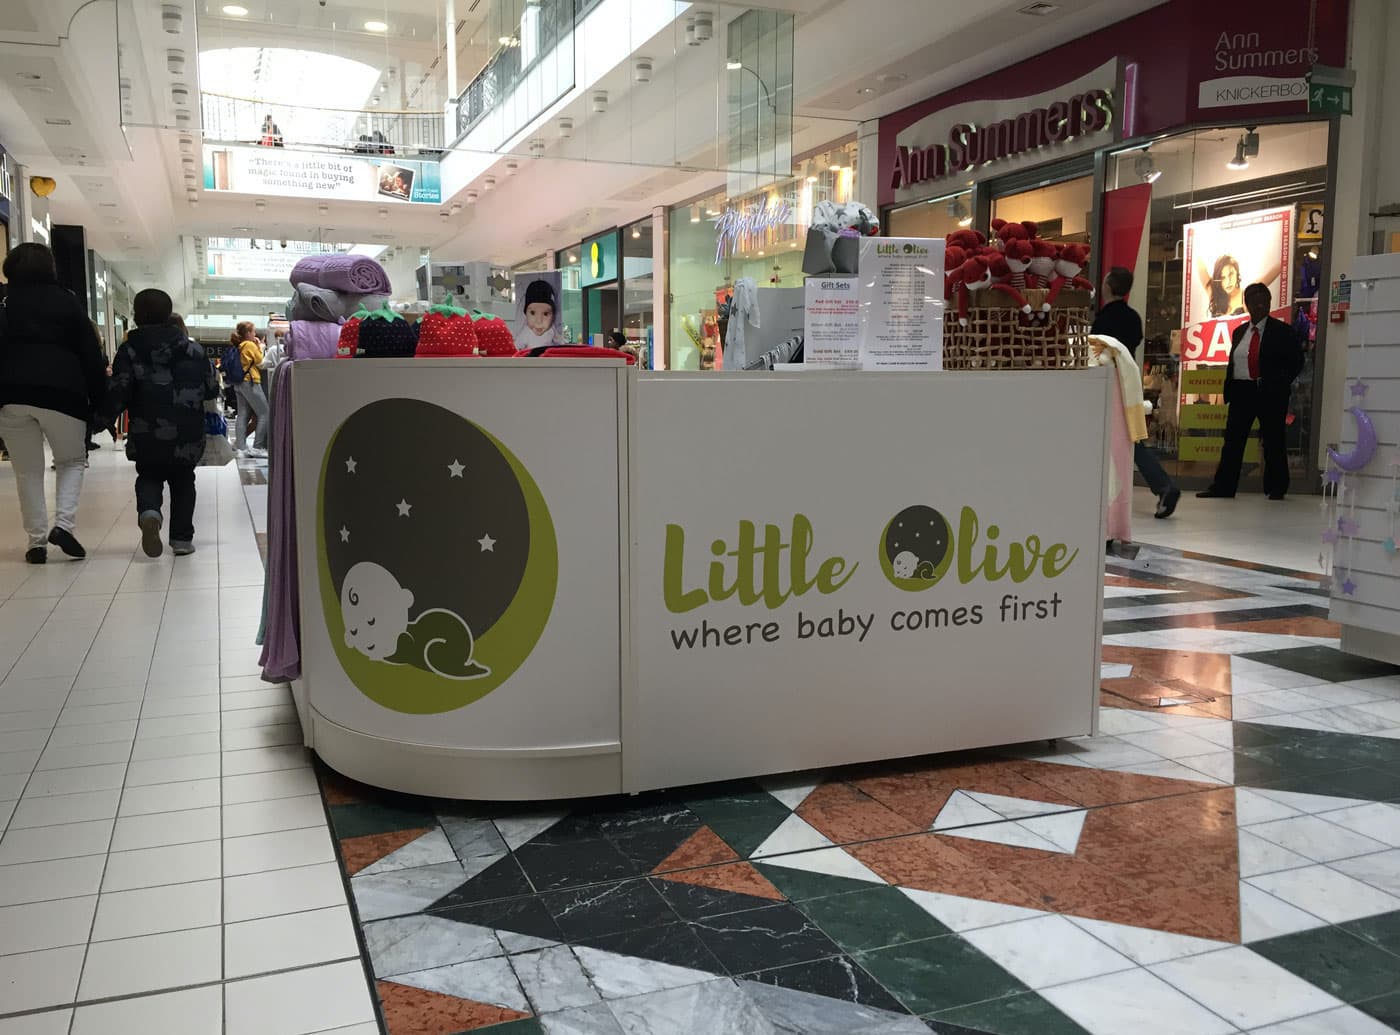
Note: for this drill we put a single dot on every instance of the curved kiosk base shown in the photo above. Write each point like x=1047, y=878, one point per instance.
x=526, y=580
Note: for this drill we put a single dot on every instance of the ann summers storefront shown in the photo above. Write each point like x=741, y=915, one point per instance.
x=1177, y=143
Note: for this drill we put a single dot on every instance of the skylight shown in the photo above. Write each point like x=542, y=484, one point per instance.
x=293, y=86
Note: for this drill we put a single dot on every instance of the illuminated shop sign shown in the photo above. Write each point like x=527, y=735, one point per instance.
x=969, y=145
x=738, y=222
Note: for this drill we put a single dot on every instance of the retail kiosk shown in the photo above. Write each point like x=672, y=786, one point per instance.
x=531, y=579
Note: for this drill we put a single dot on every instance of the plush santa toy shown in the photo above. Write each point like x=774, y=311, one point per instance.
x=1069, y=269
x=1042, y=265
x=975, y=275
x=953, y=258
x=1008, y=232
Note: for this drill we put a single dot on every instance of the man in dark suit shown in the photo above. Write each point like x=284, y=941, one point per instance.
x=1119, y=320
x=1265, y=360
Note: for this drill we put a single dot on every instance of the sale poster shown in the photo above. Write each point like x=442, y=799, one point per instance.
x=1223, y=257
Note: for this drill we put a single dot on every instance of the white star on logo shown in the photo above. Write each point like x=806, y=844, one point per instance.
x=456, y=468
x=487, y=544
x=350, y=466
x=404, y=507
x=344, y=534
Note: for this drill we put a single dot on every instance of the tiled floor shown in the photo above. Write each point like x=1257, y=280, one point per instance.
x=1225, y=857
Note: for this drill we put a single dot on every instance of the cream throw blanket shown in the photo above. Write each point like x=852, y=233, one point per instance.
x=1106, y=351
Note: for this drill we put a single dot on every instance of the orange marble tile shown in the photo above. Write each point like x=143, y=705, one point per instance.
x=360, y=852
x=930, y=862
x=1209, y=673
x=340, y=790
x=740, y=878
x=1067, y=884
x=1305, y=626
x=416, y=1011
x=1204, y=910
x=846, y=815
x=702, y=848
x=1094, y=787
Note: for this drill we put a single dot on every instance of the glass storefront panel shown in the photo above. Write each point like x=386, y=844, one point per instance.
x=1062, y=212
x=570, y=291
x=1197, y=257
x=938, y=217
x=638, y=285
x=716, y=240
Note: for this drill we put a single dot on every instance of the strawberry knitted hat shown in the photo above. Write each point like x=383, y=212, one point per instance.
x=349, y=342
x=493, y=337
x=446, y=331
x=384, y=334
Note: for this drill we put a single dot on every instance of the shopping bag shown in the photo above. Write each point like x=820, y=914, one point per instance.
x=218, y=451
x=214, y=424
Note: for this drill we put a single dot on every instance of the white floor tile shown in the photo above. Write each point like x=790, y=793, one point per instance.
x=176, y=747
x=1244, y=987
x=192, y=1011
x=1344, y=1021
x=1327, y=893
x=152, y=963
x=1317, y=839
x=262, y=736
x=255, y=895
x=62, y=809
x=266, y=760
x=1381, y=870
x=158, y=829
x=170, y=797
x=50, y=1022
x=173, y=770
x=287, y=783
x=967, y=914
x=1047, y=950
x=292, y=940
x=85, y=754
x=1379, y=821
x=177, y=726
x=35, y=980
x=46, y=925
x=318, y=999
x=56, y=842
x=14, y=763
x=173, y=907
x=153, y=867
x=265, y=817
x=258, y=853
x=1136, y=1002
x=1142, y=944
x=170, y=707
x=54, y=878
x=106, y=733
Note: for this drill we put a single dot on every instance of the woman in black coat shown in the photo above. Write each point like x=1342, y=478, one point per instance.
x=52, y=376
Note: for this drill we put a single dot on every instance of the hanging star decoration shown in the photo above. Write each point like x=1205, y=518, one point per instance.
x=1358, y=389
x=1348, y=526
x=1348, y=587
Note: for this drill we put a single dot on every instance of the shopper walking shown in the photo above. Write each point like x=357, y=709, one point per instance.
x=163, y=379
x=1265, y=359
x=1119, y=320
x=52, y=376
x=243, y=369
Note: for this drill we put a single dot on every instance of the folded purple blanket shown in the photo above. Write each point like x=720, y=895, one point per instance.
x=312, y=339
x=353, y=274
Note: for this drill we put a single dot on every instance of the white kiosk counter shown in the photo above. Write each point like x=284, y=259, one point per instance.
x=531, y=579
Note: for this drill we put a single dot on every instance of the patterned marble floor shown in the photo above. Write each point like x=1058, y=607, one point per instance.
x=1225, y=857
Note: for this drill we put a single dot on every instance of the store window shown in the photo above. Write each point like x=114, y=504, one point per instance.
x=1214, y=211
x=638, y=285
x=1062, y=212
x=937, y=217
x=717, y=239
x=570, y=292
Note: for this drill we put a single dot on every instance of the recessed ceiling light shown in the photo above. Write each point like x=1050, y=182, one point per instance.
x=865, y=90
x=235, y=11
x=377, y=26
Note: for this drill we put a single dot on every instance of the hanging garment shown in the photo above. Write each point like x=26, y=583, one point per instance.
x=1128, y=425
x=281, y=636
x=743, y=310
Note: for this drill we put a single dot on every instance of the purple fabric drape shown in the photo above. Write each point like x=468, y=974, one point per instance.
x=307, y=339
x=281, y=654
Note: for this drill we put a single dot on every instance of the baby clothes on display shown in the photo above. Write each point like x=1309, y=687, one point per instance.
x=743, y=310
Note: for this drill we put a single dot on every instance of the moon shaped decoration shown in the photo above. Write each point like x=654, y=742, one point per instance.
x=1365, y=447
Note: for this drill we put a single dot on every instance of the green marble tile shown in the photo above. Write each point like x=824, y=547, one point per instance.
x=1026, y=1014
x=872, y=919
x=1384, y=1008
x=361, y=820
x=1334, y=960
x=1323, y=663
x=800, y=885
x=524, y=1026
x=939, y=974
x=744, y=819
x=1383, y=930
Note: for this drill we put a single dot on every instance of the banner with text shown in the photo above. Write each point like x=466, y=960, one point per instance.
x=1223, y=257
x=304, y=174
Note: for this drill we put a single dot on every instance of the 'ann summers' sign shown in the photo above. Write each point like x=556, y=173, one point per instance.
x=969, y=145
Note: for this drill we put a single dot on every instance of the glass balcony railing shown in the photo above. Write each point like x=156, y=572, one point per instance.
x=241, y=120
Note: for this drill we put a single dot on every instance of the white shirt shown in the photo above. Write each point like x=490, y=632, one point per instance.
x=1239, y=369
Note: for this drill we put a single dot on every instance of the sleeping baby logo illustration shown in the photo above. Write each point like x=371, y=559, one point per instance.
x=375, y=610
x=915, y=548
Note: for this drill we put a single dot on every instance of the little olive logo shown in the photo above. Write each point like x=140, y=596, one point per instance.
x=436, y=553
x=908, y=249
x=916, y=548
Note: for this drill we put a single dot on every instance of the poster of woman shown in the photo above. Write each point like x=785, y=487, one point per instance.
x=1224, y=256
x=537, y=318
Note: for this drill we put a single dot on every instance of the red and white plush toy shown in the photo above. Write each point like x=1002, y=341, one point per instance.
x=1018, y=257
x=1042, y=265
x=1069, y=269
x=968, y=240
x=1008, y=232
x=953, y=258
x=1002, y=280
x=975, y=275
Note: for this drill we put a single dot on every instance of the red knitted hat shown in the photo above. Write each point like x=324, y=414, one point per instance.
x=493, y=337
x=349, y=342
x=446, y=331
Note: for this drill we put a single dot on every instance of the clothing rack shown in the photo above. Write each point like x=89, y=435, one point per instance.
x=789, y=351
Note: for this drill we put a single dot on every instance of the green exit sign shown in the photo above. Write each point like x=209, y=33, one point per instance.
x=1327, y=99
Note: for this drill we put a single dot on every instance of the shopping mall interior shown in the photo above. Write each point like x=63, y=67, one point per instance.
x=1067, y=703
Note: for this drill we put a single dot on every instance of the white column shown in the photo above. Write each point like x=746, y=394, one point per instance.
x=450, y=105
x=660, y=287
x=867, y=185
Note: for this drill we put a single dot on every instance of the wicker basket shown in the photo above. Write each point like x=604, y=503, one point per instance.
x=998, y=336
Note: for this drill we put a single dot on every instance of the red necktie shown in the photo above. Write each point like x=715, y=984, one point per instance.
x=1254, y=353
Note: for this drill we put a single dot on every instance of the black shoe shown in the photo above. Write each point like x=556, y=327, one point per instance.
x=1166, y=505
x=1214, y=494
x=64, y=540
x=36, y=555
x=150, y=523
x=1275, y=495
